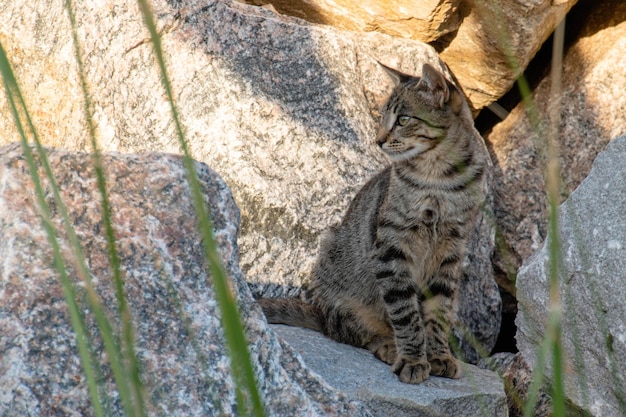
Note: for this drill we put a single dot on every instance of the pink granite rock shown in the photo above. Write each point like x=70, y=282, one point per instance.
x=166, y=283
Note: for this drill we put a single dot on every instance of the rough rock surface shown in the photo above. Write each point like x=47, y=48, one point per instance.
x=517, y=377
x=592, y=289
x=479, y=40
x=361, y=376
x=281, y=108
x=424, y=20
x=166, y=283
x=593, y=105
x=500, y=38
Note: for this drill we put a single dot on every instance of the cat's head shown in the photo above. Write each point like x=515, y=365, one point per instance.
x=418, y=113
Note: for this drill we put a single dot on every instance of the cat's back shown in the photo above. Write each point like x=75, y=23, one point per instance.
x=363, y=210
x=345, y=247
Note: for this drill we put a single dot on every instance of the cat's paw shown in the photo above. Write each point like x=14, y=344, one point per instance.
x=387, y=352
x=411, y=371
x=448, y=367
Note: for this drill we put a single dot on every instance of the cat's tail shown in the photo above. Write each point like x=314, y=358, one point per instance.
x=293, y=312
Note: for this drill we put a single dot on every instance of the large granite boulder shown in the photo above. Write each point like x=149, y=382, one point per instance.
x=424, y=20
x=284, y=110
x=179, y=338
x=592, y=289
x=592, y=103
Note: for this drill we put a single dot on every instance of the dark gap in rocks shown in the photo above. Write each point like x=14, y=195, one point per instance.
x=506, y=339
x=539, y=66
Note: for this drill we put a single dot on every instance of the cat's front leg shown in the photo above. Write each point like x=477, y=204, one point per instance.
x=438, y=310
x=411, y=363
x=400, y=296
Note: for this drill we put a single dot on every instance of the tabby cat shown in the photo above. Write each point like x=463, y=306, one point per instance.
x=387, y=275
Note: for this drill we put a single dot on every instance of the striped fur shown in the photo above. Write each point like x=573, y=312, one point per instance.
x=387, y=276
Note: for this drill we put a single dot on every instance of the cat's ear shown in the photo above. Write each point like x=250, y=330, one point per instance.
x=397, y=76
x=436, y=84
x=456, y=100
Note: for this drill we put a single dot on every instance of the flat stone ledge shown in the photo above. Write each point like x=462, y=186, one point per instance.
x=362, y=377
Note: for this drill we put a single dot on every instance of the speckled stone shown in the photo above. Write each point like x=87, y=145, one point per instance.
x=284, y=110
x=166, y=283
x=422, y=20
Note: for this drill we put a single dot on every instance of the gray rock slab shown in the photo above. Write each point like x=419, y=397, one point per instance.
x=361, y=376
x=592, y=289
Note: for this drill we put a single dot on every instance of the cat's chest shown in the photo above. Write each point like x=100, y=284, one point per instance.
x=433, y=223
x=427, y=222
x=429, y=210
x=431, y=240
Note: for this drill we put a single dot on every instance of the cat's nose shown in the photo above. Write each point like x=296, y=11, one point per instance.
x=381, y=138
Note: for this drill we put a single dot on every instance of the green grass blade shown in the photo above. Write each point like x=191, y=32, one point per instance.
x=243, y=372
x=556, y=259
x=128, y=338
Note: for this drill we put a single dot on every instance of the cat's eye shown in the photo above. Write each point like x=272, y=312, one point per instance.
x=403, y=120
